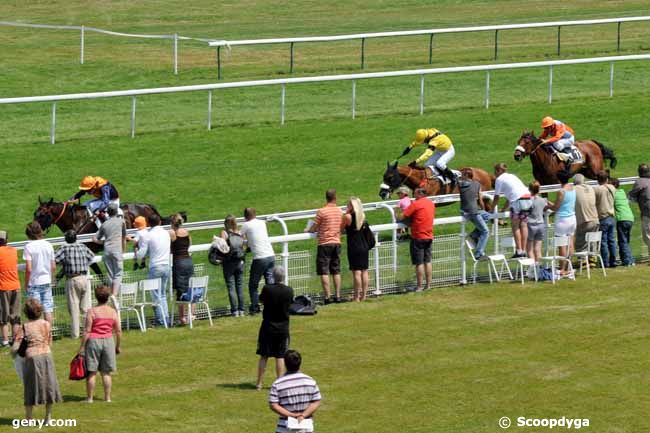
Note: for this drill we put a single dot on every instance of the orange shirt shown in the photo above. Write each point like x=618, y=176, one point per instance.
x=328, y=222
x=9, y=269
x=422, y=212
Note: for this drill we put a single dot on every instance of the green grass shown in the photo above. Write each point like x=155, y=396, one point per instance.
x=446, y=360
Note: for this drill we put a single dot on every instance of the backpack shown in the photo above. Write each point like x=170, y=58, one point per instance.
x=236, y=243
x=302, y=305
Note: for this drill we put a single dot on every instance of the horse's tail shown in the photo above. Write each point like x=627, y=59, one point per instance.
x=607, y=154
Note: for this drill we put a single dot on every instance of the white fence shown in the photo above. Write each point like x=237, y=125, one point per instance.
x=321, y=79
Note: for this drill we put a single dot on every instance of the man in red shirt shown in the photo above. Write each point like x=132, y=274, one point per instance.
x=9, y=289
x=422, y=212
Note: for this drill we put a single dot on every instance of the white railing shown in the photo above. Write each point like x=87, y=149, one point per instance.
x=325, y=78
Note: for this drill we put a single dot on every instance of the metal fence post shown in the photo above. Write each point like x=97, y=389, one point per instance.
x=487, y=90
x=393, y=220
x=175, y=53
x=363, y=53
x=219, y=62
x=53, y=124
x=209, y=110
x=376, y=257
x=559, y=31
x=354, y=99
x=495, y=227
x=618, y=37
x=132, y=116
x=496, y=44
x=550, y=84
x=463, y=264
x=282, y=98
x=611, y=79
x=291, y=58
x=431, y=49
x=285, y=247
x=83, y=43
x=421, y=95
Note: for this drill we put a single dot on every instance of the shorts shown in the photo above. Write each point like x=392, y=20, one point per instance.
x=565, y=226
x=43, y=294
x=272, y=345
x=520, y=209
x=420, y=251
x=100, y=355
x=536, y=232
x=328, y=259
x=9, y=307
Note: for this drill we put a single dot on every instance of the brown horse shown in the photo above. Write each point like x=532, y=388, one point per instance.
x=546, y=164
x=396, y=176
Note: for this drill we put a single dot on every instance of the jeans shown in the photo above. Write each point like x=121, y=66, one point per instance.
x=233, y=273
x=160, y=296
x=608, y=243
x=623, y=229
x=481, y=232
x=43, y=294
x=259, y=267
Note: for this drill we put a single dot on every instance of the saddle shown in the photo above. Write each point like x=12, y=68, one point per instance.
x=574, y=155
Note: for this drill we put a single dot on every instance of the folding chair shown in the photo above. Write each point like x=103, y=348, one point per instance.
x=128, y=301
x=146, y=288
x=593, y=250
x=197, y=293
x=559, y=241
x=523, y=263
x=491, y=259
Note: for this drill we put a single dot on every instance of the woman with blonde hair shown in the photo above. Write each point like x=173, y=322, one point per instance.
x=183, y=268
x=233, y=265
x=353, y=222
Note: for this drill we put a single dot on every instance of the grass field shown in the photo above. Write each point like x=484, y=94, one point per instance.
x=450, y=360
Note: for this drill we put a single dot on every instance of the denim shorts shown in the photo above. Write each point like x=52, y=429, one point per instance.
x=43, y=294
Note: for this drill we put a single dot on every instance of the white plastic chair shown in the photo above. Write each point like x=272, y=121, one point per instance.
x=555, y=259
x=491, y=261
x=128, y=301
x=593, y=250
x=146, y=287
x=197, y=294
x=523, y=263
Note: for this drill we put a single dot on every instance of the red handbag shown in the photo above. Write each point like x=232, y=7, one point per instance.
x=78, y=368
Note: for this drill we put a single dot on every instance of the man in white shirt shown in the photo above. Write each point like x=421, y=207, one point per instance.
x=39, y=268
x=257, y=238
x=156, y=245
x=518, y=200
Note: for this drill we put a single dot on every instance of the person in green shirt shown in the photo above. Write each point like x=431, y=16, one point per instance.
x=624, y=221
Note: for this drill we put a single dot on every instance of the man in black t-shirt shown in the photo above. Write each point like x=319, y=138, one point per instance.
x=273, y=339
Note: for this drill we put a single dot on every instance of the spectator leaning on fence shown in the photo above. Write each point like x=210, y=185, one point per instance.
x=358, y=248
x=183, y=268
x=257, y=238
x=518, y=199
x=473, y=209
x=422, y=212
x=273, y=338
x=39, y=268
x=39, y=375
x=536, y=223
x=112, y=234
x=606, y=216
x=138, y=238
x=565, y=214
x=586, y=212
x=640, y=194
x=403, y=192
x=294, y=395
x=75, y=259
x=328, y=257
x=624, y=222
x=9, y=290
x=233, y=266
x=157, y=246
x=102, y=322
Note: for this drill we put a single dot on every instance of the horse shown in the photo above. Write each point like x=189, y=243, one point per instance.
x=396, y=176
x=66, y=216
x=546, y=165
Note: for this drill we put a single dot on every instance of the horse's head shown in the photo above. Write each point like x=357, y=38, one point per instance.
x=45, y=213
x=392, y=181
x=526, y=145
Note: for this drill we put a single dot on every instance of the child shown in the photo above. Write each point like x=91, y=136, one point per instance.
x=139, y=223
x=404, y=202
x=536, y=223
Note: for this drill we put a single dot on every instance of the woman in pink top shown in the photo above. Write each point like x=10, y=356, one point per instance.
x=101, y=323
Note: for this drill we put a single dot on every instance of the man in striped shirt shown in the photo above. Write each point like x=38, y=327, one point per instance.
x=294, y=395
x=328, y=261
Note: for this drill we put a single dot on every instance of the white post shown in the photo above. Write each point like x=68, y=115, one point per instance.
x=550, y=84
x=209, y=110
x=495, y=227
x=284, y=92
x=132, y=116
x=175, y=53
x=53, y=125
x=81, y=55
x=611, y=79
x=376, y=249
x=354, y=99
x=463, y=265
x=487, y=90
x=285, y=248
x=421, y=95
x=393, y=220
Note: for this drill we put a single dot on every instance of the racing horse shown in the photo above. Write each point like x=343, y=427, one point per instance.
x=398, y=175
x=66, y=216
x=546, y=165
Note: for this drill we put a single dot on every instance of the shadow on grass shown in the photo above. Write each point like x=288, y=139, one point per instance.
x=243, y=385
x=72, y=398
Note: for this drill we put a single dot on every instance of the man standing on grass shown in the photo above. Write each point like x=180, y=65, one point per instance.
x=605, y=194
x=294, y=395
x=39, y=268
x=9, y=290
x=422, y=212
x=472, y=208
x=586, y=212
x=257, y=238
x=328, y=259
x=641, y=194
x=112, y=234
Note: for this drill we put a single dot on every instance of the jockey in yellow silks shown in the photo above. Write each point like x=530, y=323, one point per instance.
x=439, y=151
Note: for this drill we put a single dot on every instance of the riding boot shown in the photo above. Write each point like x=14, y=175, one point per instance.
x=448, y=174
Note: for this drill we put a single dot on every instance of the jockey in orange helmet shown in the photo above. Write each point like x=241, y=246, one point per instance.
x=559, y=135
x=439, y=151
x=104, y=192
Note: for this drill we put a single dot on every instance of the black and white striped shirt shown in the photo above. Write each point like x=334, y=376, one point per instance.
x=294, y=392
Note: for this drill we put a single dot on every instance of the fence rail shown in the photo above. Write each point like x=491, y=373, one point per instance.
x=134, y=93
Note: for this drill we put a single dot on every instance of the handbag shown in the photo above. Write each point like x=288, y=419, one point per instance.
x=368, y=235
x=24, y=344
x=77, y=368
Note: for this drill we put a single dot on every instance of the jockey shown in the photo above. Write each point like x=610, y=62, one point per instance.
x=103, y=191
x=560, y=136
x=438, y=153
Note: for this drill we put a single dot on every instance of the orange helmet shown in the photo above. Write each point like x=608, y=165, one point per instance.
x=140, y=223
x=87, y=183
x=547, y=121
